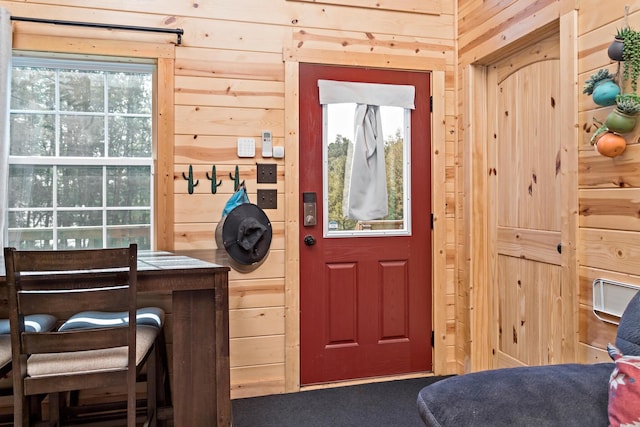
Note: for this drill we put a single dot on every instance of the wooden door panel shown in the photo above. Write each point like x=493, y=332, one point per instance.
x=529, y=292
x=529, y=149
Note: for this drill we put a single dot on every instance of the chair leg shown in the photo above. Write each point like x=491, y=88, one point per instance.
x=54, y=409
x=152, y=388
x=164, y=396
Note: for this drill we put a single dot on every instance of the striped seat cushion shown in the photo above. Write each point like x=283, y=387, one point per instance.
x=32, y=323
x=150, y=316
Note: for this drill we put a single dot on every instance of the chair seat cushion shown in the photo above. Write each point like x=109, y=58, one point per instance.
x=555, y=395
x=32, y=323
x=5, y=350
x=93, y=360
x=150, y=316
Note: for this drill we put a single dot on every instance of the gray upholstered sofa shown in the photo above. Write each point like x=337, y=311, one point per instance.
x=557, y=395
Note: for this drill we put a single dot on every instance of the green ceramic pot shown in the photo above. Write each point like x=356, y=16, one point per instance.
x=620, y=122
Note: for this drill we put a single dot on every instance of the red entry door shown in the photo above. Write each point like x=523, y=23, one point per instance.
x=365, y=300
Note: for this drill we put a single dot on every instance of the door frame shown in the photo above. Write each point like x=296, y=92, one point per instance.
x=292, y=58
x=476, y=143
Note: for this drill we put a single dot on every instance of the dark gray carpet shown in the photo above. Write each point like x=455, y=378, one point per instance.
x=391, y=403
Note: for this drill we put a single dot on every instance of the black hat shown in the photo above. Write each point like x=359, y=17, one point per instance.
x=246, y=235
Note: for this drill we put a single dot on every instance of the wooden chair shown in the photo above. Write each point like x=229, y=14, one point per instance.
x=48, y=363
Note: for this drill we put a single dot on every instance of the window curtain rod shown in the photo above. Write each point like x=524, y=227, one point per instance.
x=177, y=31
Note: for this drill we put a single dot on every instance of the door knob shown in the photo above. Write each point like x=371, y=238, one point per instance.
x=309, y=240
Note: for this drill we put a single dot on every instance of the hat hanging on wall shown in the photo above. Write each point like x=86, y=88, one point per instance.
x=245, y=233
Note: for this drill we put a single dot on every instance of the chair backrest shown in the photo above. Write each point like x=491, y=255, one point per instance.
x=62, y=283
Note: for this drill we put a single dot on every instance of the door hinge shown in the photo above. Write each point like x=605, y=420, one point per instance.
x=432, y=220
x=433, y=339
x=431, y=104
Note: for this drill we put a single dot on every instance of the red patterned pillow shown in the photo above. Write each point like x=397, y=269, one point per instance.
x=624, y=389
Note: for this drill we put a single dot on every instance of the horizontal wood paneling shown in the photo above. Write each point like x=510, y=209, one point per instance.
x=229, y=83
x=430, y=7
x=608, y=195
x=613, y=250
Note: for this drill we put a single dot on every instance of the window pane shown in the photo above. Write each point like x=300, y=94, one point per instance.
x=129, y=136
x=31, y=219
x=32, y=135
x=80, y=186
x=81, y=90
x=79, y=218
x=81, y=136
x=38, y=239
x=339, y=127
x=130, y=93
x=33, y=89
x=132, y=216
x=128, y=186
x=80, y=238
x=121, y=236
x=30, y=186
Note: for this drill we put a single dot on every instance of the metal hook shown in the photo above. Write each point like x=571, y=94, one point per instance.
x=213, y=178
x=236, y=179
x=191, y=184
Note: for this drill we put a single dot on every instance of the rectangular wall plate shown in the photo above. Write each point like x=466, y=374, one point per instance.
x=267, y=173
x=267, y=199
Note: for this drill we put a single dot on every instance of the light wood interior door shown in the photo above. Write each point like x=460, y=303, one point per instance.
x=526, y=211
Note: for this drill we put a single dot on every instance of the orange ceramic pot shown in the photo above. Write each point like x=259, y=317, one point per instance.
x=610, y=144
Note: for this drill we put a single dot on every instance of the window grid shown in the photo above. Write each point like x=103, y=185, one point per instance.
x=104, y=162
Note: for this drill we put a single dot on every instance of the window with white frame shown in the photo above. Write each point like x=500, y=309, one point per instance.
x=80, y=158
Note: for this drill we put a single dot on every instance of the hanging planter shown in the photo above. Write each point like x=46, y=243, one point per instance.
x=602, y=88
x=624, y=117
x=610, y=144
x=617, y=45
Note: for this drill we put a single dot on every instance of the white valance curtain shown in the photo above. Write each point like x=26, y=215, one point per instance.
x=6, y=41
x=365, y=194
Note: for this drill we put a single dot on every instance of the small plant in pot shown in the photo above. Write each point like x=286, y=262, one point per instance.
x=602, y=88
x=616, y=46
x=608, y=143
x=623, y=118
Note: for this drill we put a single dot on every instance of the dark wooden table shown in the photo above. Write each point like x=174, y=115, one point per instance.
x=200, y=306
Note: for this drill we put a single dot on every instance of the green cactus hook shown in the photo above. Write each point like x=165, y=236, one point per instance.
x=236, y=179
x=190, y=184
x=213, y=178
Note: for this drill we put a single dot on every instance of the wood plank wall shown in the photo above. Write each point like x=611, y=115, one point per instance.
x=230, y=82
x=607, y=189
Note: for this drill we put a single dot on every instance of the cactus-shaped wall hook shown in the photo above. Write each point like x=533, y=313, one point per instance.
x=191, y=184
x=215, y=183
x=236, y=179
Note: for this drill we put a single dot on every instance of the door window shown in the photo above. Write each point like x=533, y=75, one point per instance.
x=366, y=166
x=339, y=166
